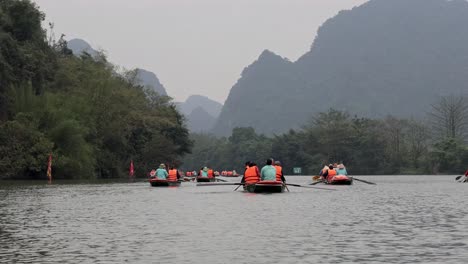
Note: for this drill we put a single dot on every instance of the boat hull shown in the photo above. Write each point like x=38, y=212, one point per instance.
x=205, y=179
x=265, y=187
x=163, y=183
x=340, y=180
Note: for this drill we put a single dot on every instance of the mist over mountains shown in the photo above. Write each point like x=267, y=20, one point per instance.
x=146, y=78
x=201, y=112
x=383, y=57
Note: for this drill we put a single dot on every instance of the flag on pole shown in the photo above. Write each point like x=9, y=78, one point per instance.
x=132, y=171
x=49, y=168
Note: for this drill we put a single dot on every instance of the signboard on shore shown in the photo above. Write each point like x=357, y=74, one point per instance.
x=297, y=170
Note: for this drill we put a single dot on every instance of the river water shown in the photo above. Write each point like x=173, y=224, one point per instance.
x=402, y=219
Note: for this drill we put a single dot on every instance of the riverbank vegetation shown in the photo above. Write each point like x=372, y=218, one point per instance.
x=367, y=146
x=92, y=117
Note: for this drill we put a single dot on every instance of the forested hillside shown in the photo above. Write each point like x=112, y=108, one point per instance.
x=92, y=120
x=366, y=146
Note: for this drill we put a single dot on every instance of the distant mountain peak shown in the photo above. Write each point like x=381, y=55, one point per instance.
x=195, y=101
x=373, y=60
x=149, y=79
x=80, y=46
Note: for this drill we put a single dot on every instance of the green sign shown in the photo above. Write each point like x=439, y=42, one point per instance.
x=297, y=170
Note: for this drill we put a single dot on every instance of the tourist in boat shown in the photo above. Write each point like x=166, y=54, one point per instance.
x=329, y=173
x=341, y=170
x=210, y=173
x=251, y=174
x=323, y=170
x=173, y=174
x=279, y=171
x=161, y=172
x=204, y=172
x=268, y=172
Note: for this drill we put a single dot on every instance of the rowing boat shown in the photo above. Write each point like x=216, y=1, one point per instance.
x=155, y=182
x=340, y=180
x=265, y=187
x=205, y=179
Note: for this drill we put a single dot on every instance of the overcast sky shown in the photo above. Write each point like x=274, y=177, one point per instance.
x=193, y=46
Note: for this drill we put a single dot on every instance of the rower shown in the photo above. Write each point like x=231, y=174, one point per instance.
x=279, y=172
x=329, y=173
x=210, y=173
x=268, y=172
x=251, y=174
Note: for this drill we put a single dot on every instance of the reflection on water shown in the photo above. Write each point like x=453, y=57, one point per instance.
x=404, y=219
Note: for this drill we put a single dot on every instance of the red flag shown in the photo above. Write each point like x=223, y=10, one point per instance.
x=49, y=168
x=132, y=171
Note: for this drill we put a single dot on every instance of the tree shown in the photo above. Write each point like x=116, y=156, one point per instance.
x=449, y=117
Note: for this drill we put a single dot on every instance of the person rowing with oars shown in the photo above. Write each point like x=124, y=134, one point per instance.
x=466, y=176
x=279, y=171
x=251, y=174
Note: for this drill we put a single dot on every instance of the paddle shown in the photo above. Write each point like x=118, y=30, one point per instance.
x=298, y=185
x=368, y=182
x=221, y=180
x=317, y=182
x=458, y=177
x=237, y=187
x=219, y=183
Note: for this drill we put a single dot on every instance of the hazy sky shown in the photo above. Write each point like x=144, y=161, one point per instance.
x=193, y=46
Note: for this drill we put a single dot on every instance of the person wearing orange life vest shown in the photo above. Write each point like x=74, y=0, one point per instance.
x=210, y=173
x=251, y=174
x=279, y=171
x=247, y=165
x=173, y=174
x=328, y=175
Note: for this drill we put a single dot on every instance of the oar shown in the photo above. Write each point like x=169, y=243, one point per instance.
x=298, y=185
x=285, y=185
x=458, y=177
x=317, y=182
x=368, y=182
x=237, y=187
x=221, y=180
x=219, y=183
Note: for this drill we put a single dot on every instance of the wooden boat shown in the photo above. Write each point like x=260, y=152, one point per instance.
x=265, y=187
x=340, y=180
x=232, y=175
x=155, y=182
x=205, y=179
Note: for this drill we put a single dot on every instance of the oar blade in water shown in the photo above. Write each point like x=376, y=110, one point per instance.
x=219, y=184
x=368, y=182
x=310, y=187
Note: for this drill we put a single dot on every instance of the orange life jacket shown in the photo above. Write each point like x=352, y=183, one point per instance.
x=172, y=176
x=279, y=172
x=210, y=173
x=251, y=175
x=331, y=173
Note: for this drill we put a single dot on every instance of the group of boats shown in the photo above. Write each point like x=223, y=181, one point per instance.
x=259, y=187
